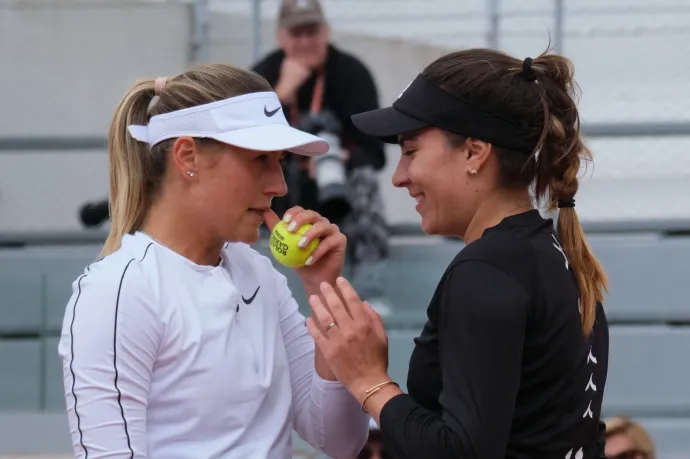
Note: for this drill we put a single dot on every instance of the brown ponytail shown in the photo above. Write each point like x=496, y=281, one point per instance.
x=561, y=151
x=137, y=171
x=542, y=101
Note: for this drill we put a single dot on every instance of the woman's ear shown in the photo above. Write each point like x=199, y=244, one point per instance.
x=185, y=156
x=477, y=152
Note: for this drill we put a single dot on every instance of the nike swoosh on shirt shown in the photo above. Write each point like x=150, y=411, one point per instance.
x=270, y=113
x=251, y=298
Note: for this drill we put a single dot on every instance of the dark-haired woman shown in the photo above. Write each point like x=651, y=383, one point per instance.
x=513, y=359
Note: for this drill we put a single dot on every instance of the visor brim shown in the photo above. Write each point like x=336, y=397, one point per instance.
x=275, y=137
x=386, y=124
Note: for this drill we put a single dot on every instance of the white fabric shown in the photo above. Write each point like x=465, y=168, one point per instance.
x=253, y=121
x=164, y=359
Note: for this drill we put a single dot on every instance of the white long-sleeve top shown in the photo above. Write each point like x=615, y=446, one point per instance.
x=167, y=359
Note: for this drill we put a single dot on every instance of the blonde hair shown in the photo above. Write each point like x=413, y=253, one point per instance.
x=637, y=434
x=136, y=170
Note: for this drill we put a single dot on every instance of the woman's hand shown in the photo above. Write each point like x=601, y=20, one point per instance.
x=326, y=262
x=356, y=347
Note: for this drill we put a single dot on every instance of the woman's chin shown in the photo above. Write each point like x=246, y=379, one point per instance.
x=428, y=226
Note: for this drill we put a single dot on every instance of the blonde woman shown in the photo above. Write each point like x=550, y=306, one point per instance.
x=626, y=439
x=182, y=341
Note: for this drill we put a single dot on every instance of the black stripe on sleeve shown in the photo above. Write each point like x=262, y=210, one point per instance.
x=119, y=393
x=71, y=367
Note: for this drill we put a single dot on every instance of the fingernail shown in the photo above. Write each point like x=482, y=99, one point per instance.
x=309, y=261
x=340, y=279
x=287, y=218
x=302, y=242
x=325, y=285
x=292, y=226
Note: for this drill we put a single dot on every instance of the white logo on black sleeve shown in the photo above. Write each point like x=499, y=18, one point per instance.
x=590, y=385
x=560, y=249
x=590, y=357
x=578, y=455
x=589, y=413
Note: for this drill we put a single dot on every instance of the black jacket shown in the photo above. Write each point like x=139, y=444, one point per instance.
x=349, y=89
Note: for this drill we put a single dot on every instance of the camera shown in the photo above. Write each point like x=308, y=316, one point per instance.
x=330, y=170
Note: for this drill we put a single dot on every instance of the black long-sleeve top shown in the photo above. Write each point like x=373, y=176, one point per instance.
x=501, y=368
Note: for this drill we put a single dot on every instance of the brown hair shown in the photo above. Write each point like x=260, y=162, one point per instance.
x=541, y=98
x=136, y=170
x=637, y=434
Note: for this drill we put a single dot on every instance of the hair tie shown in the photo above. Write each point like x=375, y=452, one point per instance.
x=159, y=85
x=567, y=203
x=527, y=70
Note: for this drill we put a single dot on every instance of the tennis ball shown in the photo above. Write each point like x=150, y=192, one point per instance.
x=284, y=245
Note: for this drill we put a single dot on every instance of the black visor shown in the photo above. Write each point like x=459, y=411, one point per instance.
x=422, y=105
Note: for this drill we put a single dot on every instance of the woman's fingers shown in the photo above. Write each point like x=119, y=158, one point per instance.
x=299, y=217
x=319, y=230
x=321, y=315
x=334, y=241
x=335, y=305
x=352, y=300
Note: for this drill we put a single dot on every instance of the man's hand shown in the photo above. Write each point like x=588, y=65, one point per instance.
x=293, y=74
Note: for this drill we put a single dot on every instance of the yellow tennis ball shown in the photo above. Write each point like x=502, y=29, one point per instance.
x=284, y=245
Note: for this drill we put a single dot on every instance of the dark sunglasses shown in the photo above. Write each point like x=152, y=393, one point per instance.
x=631, y=454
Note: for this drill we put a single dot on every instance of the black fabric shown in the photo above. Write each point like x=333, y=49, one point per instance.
x=430, y=105
x=501, y=368
x=349, y=89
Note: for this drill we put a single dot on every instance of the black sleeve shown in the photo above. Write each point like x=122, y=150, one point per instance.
x=481, y=327
x=360, y=96
x=601, y=443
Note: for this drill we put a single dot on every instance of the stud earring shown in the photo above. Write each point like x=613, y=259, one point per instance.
x=190, y=173
x=473, y=172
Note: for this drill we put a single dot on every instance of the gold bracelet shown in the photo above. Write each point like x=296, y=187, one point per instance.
x=372, y=390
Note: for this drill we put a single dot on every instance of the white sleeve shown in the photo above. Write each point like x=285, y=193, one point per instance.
x=326, y=415
x=108, y=347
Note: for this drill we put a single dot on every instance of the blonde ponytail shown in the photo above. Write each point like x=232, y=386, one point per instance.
x=136, y=170
x=128, y=165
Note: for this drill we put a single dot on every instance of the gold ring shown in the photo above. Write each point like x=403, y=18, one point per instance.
x=331, y=325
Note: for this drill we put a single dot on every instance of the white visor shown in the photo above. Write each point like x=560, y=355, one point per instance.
x=253, y=121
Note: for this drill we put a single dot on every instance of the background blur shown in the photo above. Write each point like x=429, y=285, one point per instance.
x=64, y=64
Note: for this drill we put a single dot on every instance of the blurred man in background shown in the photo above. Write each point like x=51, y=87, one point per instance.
x=320, y=86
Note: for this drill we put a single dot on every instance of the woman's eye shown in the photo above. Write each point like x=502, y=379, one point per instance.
x=409, y=152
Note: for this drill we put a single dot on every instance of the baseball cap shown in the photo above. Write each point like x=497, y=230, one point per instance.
x=294, y=13
x=252, y=121
x=423, y=104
